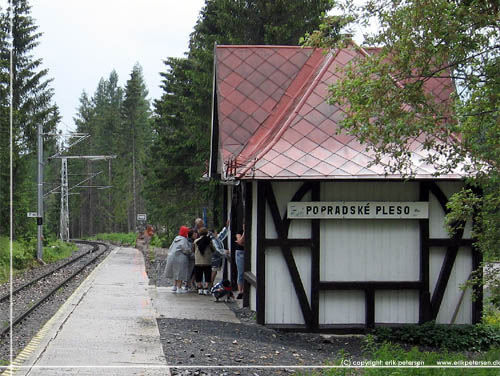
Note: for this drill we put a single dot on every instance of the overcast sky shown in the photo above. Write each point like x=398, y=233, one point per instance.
x=84, y=40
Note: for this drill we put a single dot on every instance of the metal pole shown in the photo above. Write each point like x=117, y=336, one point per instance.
x=64, y=220
x=39, y=253
x=62, y=216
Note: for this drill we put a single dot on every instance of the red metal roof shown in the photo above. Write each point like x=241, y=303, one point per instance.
x=274, y=121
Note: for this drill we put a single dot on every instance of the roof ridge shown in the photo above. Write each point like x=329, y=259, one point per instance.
x=262, y=46
x=295, y=109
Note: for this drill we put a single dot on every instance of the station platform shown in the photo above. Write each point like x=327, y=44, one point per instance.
x=108, y=326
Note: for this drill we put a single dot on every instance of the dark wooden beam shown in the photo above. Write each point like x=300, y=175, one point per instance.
x=450, y=242
x=288, y=242
x=343, y=328
x=235, y=227
x=370, y=308
x=442, y=282
x=225, y=207
x=248, y=241
x=315, y=261
x=261, y=255
x=424, y=312
x=298, y=328
x=214, y=152
x=375, y=285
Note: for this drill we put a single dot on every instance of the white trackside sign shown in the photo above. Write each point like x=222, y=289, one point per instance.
x=358, y=210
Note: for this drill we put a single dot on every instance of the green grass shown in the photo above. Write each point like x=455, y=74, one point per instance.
x=393, y=357
x=58, y=250
x=24, y=254
x=117, y=238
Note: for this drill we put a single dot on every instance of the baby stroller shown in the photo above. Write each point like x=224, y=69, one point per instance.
x=221, y=290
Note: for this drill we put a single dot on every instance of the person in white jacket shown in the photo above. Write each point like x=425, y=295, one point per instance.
x=177, y=267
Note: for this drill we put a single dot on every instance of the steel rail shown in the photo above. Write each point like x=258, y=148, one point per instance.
x=29, y=283
x=23, y=315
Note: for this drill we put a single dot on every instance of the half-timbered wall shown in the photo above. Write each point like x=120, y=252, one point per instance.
x=371, y=250
x=329, y=274
x=461, y=267
x=280, y=288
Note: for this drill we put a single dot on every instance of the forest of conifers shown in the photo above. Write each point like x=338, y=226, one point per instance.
x=161, y=144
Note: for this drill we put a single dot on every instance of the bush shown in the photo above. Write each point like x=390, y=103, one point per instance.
x=160, y=241
x=391, y=356
x=117, y=238
x=450, y=337
x=57, y=250
x=492, y=317
x=24, y=254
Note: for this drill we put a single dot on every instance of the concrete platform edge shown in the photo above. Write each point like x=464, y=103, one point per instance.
x=28, y=357
x=30, y=354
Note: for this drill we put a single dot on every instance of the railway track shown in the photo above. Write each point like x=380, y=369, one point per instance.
x=30, y=295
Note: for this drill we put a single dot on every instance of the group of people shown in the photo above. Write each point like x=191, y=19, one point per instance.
x=196, y=255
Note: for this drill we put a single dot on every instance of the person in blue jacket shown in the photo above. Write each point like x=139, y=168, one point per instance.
x=217, y=257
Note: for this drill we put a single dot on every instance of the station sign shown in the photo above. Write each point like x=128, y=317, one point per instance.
x=358, y=210
x=142, y=217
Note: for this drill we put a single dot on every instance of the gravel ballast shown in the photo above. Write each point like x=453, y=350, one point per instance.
x=216, y=343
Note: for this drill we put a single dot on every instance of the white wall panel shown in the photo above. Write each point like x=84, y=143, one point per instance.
x=398, y=306
x=253, y=298
x=341, y=307
x=369, y=250
x=369, y=191
x=467, y=230
x=282, y=304
x=437, y=228
x=270, y=229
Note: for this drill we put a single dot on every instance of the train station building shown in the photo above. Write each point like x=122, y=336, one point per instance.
x=334, y=243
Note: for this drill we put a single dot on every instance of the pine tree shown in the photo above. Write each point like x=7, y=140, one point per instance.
x=117, y=120
x=135, y=125
x=180, y=148
x=100, y=117
x=32, y=103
